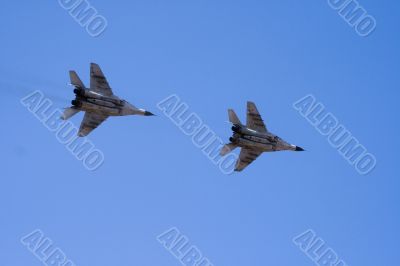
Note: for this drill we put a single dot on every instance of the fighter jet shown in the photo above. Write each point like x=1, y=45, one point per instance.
x=253, y=138
x=98, y=102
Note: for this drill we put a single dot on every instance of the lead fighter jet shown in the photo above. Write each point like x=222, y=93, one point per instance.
x=253, y=138
x=98, y=102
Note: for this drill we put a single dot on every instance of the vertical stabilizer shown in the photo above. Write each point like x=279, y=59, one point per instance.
x=75, y=80
x=233, y=117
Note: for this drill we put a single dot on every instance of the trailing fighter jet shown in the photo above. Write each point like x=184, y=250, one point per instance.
x=253, y=138
x=98, y=102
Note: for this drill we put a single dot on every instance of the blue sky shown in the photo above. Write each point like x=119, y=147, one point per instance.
x=215, y=56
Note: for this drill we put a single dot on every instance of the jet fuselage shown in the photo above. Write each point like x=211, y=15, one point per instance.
x=249, y=138
x=87, y=100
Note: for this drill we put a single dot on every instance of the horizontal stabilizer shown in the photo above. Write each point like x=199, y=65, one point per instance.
x=69, y=112
x=227, y=149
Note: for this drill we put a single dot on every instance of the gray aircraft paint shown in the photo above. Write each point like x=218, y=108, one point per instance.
x=98, y=102
x=253, y=138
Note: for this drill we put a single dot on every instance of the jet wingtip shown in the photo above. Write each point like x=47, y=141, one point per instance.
x=94, y=65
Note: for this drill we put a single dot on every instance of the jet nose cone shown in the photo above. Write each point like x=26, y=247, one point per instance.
x=299, y=148
x=147, y=113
